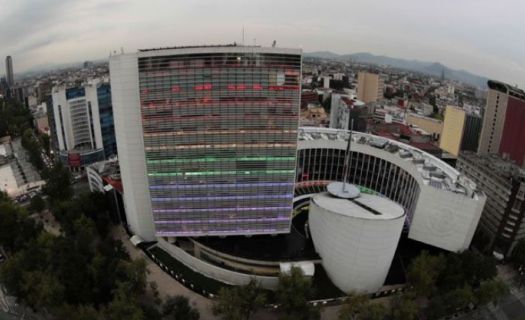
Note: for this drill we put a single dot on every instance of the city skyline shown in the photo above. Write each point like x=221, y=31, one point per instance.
x=246, y=159
x=451, y=33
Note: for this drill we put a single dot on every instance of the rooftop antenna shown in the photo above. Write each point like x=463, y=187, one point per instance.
x=243, y=35
x=345, y=190
x=274, y=43
x=348, y=156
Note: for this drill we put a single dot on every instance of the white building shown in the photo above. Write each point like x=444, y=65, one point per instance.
x=207, y=139
x=442, y=206
x=83, y=123
x=356, y=238
x=326, y=82
x=342, y=107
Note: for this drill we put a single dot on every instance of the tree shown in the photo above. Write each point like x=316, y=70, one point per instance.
x=460, y=298
x=4, y=197
x=404, y=308
x=240, y=302
x=70, y=263
x=481, y=241
x=33, y=148
x=178, y=307
x=436, y=309
x=14, y=118
x=358, y=307
x=58, y=184
x=134, y=273
x=9, y=224
x=11, y=276
x=491, y=291
x=450, y=302
x=466, y=269
x=69, y=312
x=95, y=206
x=80, y=274
x=477, y=267
x=151, y=312
x=45, y=143
x=423, y=272
x=518, y=254
x=375, y=311
x=292, y=294
x=16, y=229
x=37, y=204
x=43, y=290
x=123, y=306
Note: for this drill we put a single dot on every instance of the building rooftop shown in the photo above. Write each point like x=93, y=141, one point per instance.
x=8, y=180
x=433, y=171
x=109, y=170
x=352, y=102
x=415, y=137
x=206, y=49
x=366, y=206
x=507, y=89
x=198, y=46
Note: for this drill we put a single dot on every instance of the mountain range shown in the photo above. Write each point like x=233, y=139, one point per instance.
x=432, y=68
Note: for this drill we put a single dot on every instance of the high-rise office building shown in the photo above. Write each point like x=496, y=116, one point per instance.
x=502, y=222
x=344, y=110
x=453, y=126
x=83, y=123
x=369, y=87
x=10, y=77
x=460, y=131
x=503, y=120
x=471, y=132
x=207, y=138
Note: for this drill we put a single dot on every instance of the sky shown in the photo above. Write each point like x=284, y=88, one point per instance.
x=485, y=37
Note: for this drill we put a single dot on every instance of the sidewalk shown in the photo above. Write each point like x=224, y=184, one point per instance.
x=166, y=284
x=169, y=286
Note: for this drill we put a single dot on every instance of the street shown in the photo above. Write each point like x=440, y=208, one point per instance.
x=511, y=307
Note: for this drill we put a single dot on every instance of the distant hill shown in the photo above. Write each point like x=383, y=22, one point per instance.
x=323, y=55
x=432, y=68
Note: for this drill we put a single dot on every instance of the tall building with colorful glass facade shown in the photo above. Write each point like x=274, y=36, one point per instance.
x=207, y=139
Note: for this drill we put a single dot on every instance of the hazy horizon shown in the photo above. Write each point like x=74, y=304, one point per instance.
x=474, y=35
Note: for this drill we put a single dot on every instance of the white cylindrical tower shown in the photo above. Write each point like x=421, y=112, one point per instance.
x=356, y=238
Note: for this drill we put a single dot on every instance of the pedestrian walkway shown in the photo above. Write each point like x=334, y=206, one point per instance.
x=167, y=286
x=512, y=306
x=24, y=169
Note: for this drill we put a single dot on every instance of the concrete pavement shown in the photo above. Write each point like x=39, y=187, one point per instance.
x=168, y=286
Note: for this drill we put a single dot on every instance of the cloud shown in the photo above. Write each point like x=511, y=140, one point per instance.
x=25, y=18
x=476, y=35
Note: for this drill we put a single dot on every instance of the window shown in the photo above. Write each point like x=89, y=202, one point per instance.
x=517, y=205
